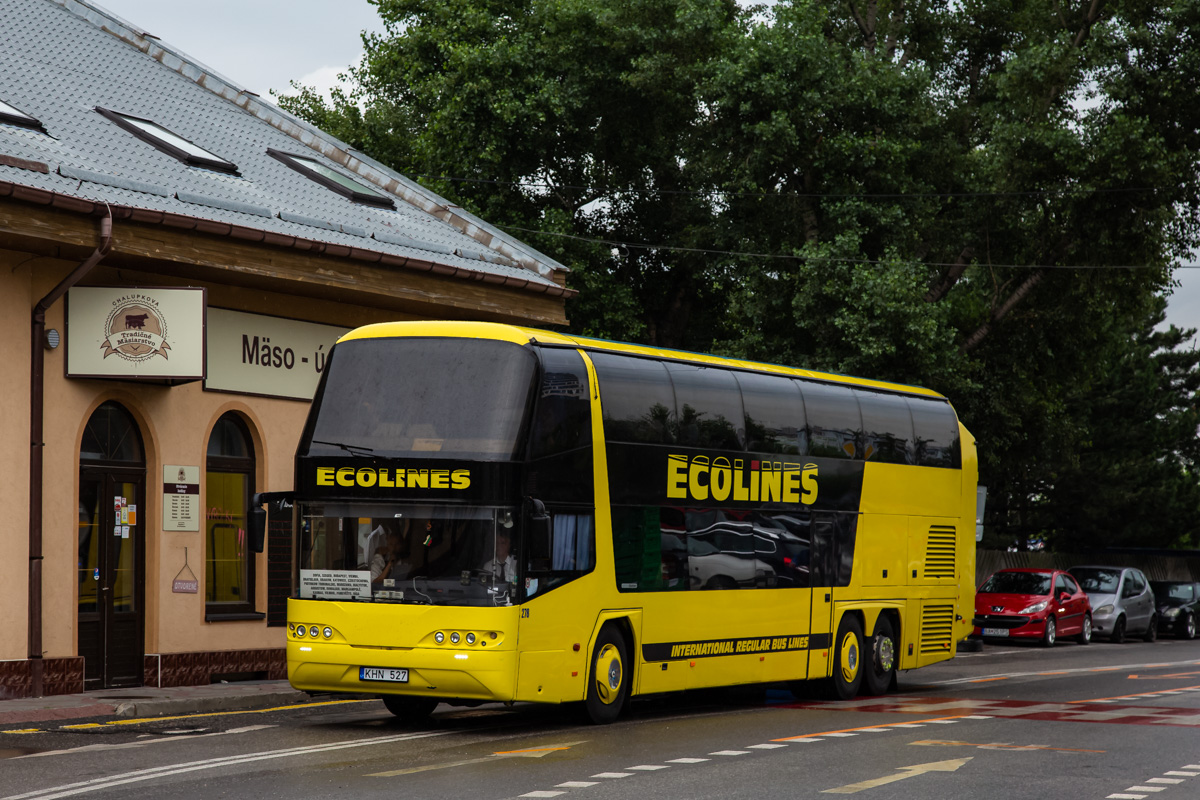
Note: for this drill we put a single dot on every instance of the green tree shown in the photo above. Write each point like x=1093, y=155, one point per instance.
x=984, y=197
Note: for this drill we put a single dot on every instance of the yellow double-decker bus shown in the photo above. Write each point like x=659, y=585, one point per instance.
x=487, y=513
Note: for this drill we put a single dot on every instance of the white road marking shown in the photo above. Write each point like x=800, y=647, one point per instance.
x=649, y=767
x=613, y=775
x=121, y=779
x=766, y=746
x=1127, y=797
x=1171, y=781
x=1184, y=774
x=91, y=748
x=687, y=760
x=542, y=794
x=1145, y=788
x=575, y=784
x=839, y=735
x=730, y=753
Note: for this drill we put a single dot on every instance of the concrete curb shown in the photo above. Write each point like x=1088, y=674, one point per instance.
x=201, y=705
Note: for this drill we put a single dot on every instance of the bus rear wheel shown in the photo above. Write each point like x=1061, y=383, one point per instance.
x=410, y=710
x=847, y=660
x=880, y=670
x=608, y=679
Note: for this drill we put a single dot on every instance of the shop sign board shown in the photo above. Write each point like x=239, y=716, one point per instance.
x=150, y=333
x=269, y=356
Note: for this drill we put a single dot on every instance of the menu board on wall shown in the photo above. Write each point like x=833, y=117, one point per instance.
x=181, y=498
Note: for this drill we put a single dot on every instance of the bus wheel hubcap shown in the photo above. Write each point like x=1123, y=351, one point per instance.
x=885, y=650
x=608, y=674
x=849, y=658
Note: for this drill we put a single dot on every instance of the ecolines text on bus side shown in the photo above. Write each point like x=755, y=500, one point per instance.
x=701, y=477
x=387, y=478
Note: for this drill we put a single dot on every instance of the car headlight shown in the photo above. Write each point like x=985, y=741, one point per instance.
x=1103, y=611
x=1171, y=613
x=1035, y=608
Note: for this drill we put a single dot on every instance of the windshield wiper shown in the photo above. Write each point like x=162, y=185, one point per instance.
x=352, y=449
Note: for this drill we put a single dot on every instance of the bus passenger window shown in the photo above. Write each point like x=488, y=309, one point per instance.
x=709, y=405
x=638, y=402
x=888, y=427
x=774, y=414
x=835, y=428
x=935, y=433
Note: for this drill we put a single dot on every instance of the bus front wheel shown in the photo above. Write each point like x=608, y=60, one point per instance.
x=410, y=710
x=880, y=670
x=608, y=679
x=847, y=664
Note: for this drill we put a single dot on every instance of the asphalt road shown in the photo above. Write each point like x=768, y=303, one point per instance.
x=1011, y=722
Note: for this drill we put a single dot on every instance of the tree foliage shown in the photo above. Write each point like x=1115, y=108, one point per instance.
x=984, y=197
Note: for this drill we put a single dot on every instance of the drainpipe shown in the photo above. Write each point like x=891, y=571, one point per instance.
x=36, y=424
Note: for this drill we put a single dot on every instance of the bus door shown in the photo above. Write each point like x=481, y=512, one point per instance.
x=823, y=571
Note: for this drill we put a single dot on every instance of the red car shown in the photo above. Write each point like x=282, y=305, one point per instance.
x=1041, y=604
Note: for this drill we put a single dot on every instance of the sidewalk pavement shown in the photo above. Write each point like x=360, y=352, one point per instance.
x=143, y=701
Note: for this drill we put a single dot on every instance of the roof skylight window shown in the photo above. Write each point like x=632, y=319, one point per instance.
x=173, y=145
x=332, y=179
x=14, y=116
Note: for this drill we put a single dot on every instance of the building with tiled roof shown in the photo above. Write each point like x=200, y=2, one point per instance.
x=177, y=256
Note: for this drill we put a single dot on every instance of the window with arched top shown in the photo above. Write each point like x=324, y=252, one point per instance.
x=228, y=556
x=111, y=435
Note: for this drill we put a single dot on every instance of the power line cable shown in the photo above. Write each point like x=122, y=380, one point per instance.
x=808, y=195
x=835, y=259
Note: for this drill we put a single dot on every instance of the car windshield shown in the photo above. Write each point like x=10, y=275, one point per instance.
x=1173, y=594
x=1017, y=583
x=1098, y=580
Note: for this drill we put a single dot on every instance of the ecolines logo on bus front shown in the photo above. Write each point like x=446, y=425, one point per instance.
x=368, y=477
x=699, y=478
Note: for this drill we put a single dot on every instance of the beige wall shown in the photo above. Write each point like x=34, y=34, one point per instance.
x=175, y=423
x=15, y=309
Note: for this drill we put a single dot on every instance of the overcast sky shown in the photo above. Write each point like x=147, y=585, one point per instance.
x=264, y=44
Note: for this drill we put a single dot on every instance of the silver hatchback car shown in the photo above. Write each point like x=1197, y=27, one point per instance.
x=1122, y=602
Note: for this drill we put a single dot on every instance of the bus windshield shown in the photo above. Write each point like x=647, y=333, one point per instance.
x=427, y=554
x=423, y=398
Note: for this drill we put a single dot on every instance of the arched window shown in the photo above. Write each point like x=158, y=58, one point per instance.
x=229, y=560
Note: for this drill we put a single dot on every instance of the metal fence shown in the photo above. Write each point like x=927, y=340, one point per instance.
x=1157, y=565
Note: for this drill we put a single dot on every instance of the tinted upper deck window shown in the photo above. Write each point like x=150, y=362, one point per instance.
x=887, y=427
x=709, y=407
x=636, y=395
x=935, y=433
x=562, y=418
x=834, y=421
x=774, y=414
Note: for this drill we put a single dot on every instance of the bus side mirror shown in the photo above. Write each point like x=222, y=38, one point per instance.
x=539, y=536
x=258, y=515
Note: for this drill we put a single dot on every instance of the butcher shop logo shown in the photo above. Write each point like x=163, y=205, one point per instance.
x=135, y=330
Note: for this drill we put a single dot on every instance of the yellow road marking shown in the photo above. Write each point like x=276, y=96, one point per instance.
x=866, y=728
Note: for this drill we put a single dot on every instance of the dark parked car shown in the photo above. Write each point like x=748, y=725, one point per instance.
x=1036, y=604
x=1177, y=603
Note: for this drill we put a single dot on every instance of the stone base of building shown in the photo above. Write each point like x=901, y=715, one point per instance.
x=59, y=676
x=65, y=675
x=197, y=669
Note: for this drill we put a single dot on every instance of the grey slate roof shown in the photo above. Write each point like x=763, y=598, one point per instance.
x=60, y=59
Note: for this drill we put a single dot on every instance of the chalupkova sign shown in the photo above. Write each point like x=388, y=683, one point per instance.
x=134, y=332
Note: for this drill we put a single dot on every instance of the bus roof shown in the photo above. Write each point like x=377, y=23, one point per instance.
x=524, y=336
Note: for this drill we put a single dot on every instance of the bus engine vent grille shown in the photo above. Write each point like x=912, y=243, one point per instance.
x=937, y=628
x=939, y=552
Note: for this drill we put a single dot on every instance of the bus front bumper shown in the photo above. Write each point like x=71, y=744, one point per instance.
x=449, y=674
